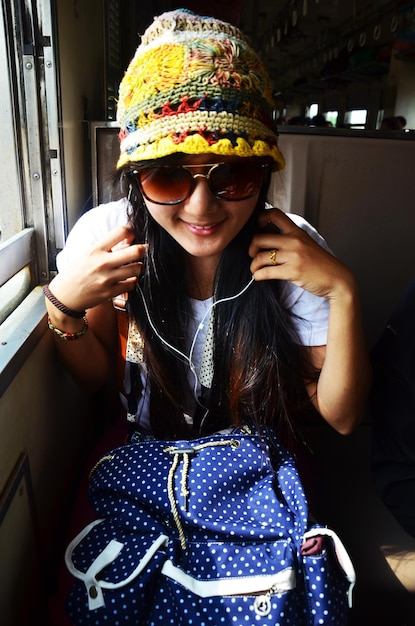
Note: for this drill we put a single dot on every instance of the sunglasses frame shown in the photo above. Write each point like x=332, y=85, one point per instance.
x=266, y=167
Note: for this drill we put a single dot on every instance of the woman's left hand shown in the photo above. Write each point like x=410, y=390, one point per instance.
x=340, y=393
x=294, y=256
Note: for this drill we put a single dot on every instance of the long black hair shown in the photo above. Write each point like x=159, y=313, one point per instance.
x=260, y=367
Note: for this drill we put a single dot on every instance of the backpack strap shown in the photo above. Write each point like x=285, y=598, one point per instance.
x=130, y=340
x=122, y=321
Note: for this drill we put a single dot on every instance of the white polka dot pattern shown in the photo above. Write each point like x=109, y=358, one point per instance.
x=135, y=343
x=234, y=512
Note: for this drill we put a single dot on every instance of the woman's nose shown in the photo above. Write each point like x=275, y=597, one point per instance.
x=201, y=199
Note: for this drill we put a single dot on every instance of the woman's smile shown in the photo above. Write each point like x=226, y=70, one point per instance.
x=203, y=224
x=203, y=230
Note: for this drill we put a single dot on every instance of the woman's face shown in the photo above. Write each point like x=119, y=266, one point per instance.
x=203, y=224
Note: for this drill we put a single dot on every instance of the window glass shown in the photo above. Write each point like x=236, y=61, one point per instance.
x=31, y=206
x=11, y=208
x=312, y=110
x=356, y=118
x=331, y=116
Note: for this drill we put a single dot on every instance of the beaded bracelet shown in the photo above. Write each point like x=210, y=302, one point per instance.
x=68, y=336
x=59, y=305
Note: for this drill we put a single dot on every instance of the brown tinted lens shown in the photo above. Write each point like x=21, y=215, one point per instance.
x=166, y=185
x=237, y=181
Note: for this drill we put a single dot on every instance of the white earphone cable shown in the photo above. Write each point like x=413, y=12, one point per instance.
x=188, y=358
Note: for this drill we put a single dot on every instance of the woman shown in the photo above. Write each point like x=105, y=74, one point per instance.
x=239, y=311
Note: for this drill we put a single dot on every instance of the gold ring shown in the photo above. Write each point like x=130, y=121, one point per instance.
x=273, y=256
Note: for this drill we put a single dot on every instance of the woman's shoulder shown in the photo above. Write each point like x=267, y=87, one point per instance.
x=310, y=312
x=302, y=223
x=103, y=217
x=91, y=227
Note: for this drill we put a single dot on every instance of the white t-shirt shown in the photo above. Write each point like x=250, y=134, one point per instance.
x=311, y=312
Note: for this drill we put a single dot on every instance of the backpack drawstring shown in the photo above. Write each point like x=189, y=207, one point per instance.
x=186, y=454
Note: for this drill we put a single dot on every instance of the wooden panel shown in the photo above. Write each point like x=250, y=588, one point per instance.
x=357, y=190
x=20, y=550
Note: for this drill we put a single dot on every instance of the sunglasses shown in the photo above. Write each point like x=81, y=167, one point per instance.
x=172, y=184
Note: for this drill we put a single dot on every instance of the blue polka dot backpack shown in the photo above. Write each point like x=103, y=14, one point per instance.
x=210, y=531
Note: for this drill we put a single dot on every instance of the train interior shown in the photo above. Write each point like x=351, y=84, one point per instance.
x=356, y=185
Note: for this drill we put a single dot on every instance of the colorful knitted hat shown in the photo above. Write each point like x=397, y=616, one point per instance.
x=195, y=86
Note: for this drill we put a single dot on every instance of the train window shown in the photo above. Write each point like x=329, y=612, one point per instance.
x=32, y=221
x=11, y=213
x=32, y=191
x=356, y=118
x=312, y=110
x=16, y=266
x=379, y=117
x=331, y=117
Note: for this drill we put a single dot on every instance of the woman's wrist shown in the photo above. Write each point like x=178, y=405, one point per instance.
x=345, y=291
x=69, y=336
x=61, y=306
x=60, y=320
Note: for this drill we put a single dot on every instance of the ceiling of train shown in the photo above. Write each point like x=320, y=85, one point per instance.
x=316, y=44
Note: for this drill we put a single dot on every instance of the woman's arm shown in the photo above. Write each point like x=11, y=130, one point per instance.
x=91, y=359
x=89, y=283
x=340, y=394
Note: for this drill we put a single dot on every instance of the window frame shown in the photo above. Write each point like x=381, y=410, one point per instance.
x=17, y=253
x=31, y=83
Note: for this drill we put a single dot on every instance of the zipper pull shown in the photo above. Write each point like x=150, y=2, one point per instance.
x=262, y=605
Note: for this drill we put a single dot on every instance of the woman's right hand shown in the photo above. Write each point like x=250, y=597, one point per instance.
x=90, y=282
x=105, y=271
